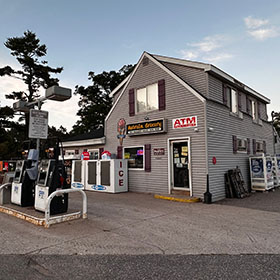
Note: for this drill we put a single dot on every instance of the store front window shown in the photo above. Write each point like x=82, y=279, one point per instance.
x=135, y=157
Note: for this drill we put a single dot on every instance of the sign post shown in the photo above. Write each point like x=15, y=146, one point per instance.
x=38, y=124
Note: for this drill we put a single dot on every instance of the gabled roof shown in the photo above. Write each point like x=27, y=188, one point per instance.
x=203, y=66
x=214, y=70
x=164, y=68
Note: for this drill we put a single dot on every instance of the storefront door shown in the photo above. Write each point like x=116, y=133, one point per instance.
x=180, y=169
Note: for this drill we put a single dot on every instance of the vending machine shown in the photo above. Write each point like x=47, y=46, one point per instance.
x=52, y=177
x=261, y=173
x=78, y=174
x=23, y=186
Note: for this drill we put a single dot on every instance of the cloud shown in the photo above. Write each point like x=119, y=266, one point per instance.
x=209, y=43
x=260, y=29
x=264, y=33
x=189, y=54
x=252, y=23
x=208, y=49
x=218, y=58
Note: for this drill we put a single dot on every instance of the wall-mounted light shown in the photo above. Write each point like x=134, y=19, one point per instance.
x=146, y=118
x=196, y=129
x=210, y=129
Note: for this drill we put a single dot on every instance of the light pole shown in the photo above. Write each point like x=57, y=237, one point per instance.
x=55, y=93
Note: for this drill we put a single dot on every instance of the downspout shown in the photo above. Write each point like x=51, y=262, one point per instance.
x=207, y=194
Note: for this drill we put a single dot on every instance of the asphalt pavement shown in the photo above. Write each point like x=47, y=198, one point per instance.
x=134, y=236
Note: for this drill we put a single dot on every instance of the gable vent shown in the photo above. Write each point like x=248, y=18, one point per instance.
x=145, y=61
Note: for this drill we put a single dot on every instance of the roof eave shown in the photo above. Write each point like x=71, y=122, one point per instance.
x=85, y=142
x=229, y=78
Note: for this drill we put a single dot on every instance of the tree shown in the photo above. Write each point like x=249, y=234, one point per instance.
x=95, y=101
x=35, y=72
x=276, y=121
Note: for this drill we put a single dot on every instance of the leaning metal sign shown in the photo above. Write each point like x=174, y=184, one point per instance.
x=148, y=127
x=38, y=124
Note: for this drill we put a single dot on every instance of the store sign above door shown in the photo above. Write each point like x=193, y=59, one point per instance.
x=184, y=122
x=149, y=127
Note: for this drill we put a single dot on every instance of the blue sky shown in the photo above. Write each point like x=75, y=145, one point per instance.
x=240, y=37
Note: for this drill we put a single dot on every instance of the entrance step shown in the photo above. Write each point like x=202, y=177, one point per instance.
x=180, y=192
x=178, y=198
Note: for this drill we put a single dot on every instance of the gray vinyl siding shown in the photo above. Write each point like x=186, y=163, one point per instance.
x=117, y=94
x=216, y=94
x=195, y=77
x=179, y=103
x=220, y=144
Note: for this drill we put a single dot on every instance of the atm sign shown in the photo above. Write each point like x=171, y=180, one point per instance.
x=184, y=122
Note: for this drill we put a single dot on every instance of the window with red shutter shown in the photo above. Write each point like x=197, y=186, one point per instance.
x=161, y=95
x=259, y=110
x=131, y=98
x=225, y=99
x=148, y=160
x=254, y=146
x=239, y=101
x=248, y=146
x=234, y=144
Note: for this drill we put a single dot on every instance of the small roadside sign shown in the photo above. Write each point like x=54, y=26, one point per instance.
x=38, y=124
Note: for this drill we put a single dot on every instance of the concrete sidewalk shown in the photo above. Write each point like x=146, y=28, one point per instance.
x=135, y=224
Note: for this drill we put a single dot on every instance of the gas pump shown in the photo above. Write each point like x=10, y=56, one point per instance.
x=24, y=180
x=52, y=177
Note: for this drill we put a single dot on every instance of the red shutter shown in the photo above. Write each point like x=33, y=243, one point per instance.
x=161, y=95
x=119, y=152
x=248, y=105
x=131, y=102
x=248, y=146
x=234, y=144
x=225, y=94
x=264, y=147
x=148, y=163
x=254, y=146
x=101, y=150
x=239, y=101
x=259, y=110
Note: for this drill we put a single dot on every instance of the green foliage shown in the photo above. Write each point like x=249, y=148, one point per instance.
x=34, y=73
x=95, y=101
x=276, y=121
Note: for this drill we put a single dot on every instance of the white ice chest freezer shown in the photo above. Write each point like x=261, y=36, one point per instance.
x=261, y=173
x=100, y=175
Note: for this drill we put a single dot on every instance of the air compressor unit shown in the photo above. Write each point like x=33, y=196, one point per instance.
x=52, y=177
x=261, y=173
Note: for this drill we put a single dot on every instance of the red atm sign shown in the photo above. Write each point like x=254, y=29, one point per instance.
x=184, y=122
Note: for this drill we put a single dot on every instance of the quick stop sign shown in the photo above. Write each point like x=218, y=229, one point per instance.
x=85, y=156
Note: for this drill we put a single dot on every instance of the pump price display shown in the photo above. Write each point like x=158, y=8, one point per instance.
x=38, y=124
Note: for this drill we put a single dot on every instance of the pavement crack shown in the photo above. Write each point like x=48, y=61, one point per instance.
x=38, y=267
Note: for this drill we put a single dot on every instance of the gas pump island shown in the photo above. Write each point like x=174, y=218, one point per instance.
x=29, y=187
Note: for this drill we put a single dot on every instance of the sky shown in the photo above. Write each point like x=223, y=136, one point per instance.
x=240, y=37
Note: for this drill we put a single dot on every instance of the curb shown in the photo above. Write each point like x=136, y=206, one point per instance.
x=184, y=200
x=20, y=215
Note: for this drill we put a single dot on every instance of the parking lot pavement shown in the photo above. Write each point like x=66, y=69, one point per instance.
x=138, y=224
